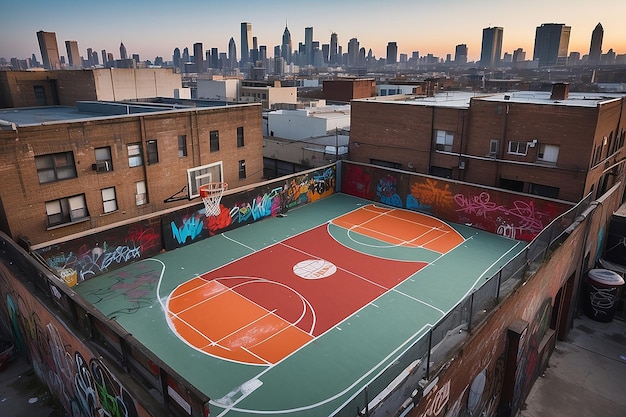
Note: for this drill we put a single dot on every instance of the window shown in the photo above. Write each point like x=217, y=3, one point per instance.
x=55, y=167
x=518, y=148
x=40, y=95
x=548, y=153
x=493, y=148
x=66, y=210
x=141, y=197
x=387, y=164
x=240, y=140
x=214, y=140
x=544, y=190
x=109, y=201
x=182, y=146
x=242, y=169
x=443, y=140
x=441, y=172
x=104, y=162
x=134, y=155
x=153, y=152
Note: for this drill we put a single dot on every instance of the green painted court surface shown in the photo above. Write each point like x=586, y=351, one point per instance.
x=322, y=376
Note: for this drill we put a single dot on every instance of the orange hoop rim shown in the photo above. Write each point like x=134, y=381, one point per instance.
x=210, y=188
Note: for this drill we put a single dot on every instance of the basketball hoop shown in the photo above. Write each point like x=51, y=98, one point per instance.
x=211, y=194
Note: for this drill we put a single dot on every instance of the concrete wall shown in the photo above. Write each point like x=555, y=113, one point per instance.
x=225, y=90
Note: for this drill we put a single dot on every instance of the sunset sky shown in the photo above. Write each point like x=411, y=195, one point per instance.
x=155, y=27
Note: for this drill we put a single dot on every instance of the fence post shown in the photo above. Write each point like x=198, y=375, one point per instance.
x=469, y=323
x=430, y=345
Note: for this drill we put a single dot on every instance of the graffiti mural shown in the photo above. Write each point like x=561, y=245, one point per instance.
x=80, y=380
x=191, y=225
x=516, y=216
x=81, y=259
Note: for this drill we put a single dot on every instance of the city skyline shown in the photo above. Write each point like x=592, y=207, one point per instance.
x=155, y=28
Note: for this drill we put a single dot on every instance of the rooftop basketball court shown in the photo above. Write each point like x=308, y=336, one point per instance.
x=296, y=315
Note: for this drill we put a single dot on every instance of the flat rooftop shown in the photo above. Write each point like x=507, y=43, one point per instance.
x=461, y=99
x=86, y=110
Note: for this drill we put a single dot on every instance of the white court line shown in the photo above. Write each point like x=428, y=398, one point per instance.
x=267, y=314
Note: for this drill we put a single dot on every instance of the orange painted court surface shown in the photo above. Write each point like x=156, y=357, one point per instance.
x=269, y=304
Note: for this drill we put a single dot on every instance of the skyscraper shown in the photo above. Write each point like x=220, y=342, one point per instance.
x=308, y=45
x=232, y=54
x=551, y=44
x=285, y=48
x=176, y=58
x=595, y=50
x=333, y=48
x=123, y=54
x=73, y=56
x=246, y=40
x=198, y=57
x=392, y=52
x=353, y=52
x=491, y=48
x=460, y=54
x=49, y=50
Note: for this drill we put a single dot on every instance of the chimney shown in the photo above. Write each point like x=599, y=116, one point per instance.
x=560, y=91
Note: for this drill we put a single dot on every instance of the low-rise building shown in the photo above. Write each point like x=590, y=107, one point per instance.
x=69, y=170
x=66, y=87
x=554, y=144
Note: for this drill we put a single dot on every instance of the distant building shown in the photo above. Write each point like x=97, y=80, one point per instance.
x=334, y=55
x=49, y=50
x=595, y=49
x=392, y=53
x=346, y=89
x=198, y=57
x=123, y=53
x=246, y=41
x=551, y=44
x=73, y=55
x=491, y=48
x=460, y=54
x=65, y=87
x=286, y=48
x=308, y=45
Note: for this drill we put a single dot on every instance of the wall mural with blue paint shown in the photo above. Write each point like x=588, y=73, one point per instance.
x=89, y=256
x=516, y=216
x=191, y=225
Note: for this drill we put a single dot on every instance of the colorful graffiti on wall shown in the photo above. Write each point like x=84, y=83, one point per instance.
x=78, y=379
x=189, y=226
x=512, y=215
x=87, y=257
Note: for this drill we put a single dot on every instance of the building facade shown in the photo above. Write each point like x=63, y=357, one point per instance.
x=491, y=47
x=48, y=88
x=49, y=50
x=552, y=144
x=551, y=44
x=80, y=172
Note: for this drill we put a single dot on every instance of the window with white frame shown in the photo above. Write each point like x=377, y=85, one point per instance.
x=443, y=140
x=66, y=210
x=141, y=197
x=134, y=155
x=109, y=202
x=104, y=162
x=548, y=153
x=518, y=148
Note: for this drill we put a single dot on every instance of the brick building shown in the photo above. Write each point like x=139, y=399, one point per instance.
x=66, y=87
x=69, y=170
x=552, y=144
x=346, y=89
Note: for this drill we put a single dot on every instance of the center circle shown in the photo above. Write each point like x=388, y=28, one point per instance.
x=314, y=269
